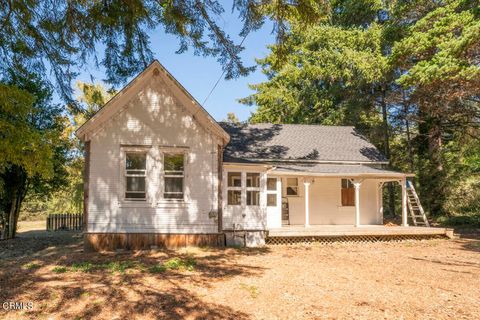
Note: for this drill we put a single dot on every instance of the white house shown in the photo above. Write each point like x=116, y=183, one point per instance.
x=160, y=171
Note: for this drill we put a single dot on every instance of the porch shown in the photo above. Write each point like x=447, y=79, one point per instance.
x=335, y=196
x=350, y=230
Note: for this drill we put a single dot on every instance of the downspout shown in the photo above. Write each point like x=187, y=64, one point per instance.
x=86, y=179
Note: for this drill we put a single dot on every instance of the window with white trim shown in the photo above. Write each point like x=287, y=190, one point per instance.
x=135, y=175
x=271, y=192
x=173, y=175
x=292, y=187
x=234, y=188
x=253, y=189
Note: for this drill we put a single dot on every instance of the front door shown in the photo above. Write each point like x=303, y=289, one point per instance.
x=274, y=202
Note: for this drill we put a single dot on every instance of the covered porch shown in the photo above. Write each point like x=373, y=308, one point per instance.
x=329, y=197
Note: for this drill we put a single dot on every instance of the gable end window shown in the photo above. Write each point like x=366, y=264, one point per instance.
x=135, y=175
x=348, y=193
x=173, y=175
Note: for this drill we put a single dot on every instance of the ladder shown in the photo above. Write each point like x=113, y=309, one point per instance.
x=415, y=208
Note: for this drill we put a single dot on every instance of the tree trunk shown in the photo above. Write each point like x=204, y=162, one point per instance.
x=430, y=168
x=406, y=112
x=437, y=174
x=11, y=218
x=386, y=150
x=15, y=186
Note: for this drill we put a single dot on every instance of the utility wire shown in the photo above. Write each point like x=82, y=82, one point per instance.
x=221, y=76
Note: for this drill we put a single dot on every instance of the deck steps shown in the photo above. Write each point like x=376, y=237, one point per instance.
x=415, y=208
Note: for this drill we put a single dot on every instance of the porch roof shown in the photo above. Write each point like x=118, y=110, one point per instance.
x=335, y=170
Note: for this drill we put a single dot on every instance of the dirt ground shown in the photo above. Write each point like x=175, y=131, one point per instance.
x=432, y=279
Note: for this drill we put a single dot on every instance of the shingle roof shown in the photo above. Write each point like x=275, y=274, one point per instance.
x=256, y=142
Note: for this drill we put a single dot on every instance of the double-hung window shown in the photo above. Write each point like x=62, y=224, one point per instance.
x=253, y=189
x=135, y=175
x=234, y=188
x=173, y=173
x=271, y=192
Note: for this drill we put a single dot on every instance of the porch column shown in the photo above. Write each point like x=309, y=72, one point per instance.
x=307, y=217
x=357, y=185
x=404, y=202
x=380, y=201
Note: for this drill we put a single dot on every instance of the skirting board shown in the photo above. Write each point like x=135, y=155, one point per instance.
x=146, y=241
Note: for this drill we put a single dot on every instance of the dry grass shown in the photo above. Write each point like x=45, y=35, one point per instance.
x=434, y=279
x=24, y=226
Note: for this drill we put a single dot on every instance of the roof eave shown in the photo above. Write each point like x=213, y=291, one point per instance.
x=379, y=175
x=269, y=161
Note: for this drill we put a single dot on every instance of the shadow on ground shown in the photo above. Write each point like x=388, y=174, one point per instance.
x=27, y=272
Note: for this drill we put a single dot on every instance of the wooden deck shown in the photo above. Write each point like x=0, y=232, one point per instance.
x=349, y=230
x=350, y=233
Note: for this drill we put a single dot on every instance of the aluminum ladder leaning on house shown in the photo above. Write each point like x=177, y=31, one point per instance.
x=419, y=217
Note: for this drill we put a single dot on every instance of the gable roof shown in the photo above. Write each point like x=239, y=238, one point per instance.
x=304, y=143
x=122, y=97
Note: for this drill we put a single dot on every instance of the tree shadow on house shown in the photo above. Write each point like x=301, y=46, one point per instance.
x=252, y=142
x=368, y=150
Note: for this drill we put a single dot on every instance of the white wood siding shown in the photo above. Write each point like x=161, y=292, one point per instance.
x=326, y=203
x=153, y=119
x=243, y=216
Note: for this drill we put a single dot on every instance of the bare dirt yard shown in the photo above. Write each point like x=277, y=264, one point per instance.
x=431, y=279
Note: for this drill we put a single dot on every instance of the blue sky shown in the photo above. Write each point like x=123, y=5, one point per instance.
x=198, y=74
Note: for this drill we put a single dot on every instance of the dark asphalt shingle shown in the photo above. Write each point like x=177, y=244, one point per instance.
x=297, y=142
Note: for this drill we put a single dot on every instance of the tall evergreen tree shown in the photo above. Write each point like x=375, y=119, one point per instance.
x=404, y=72
x=60, y=36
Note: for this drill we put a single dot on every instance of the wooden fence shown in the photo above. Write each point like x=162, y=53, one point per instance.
x=67, y=221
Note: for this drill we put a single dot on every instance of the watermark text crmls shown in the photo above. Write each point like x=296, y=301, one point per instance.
x=17, y=305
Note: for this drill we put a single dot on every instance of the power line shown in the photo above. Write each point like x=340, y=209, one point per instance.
x=221, y=76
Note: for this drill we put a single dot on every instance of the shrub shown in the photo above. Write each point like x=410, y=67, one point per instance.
x=118, y=266
x=158, y=268
x=467, y=220
x=83, y=266
x=60, y=269
x=188, y=263
x=31, y=266
x=180, y=264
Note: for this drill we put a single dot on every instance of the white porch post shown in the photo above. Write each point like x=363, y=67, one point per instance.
x=404, y=202
x=357, y=185
x=380, y=201
x=307, y=217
